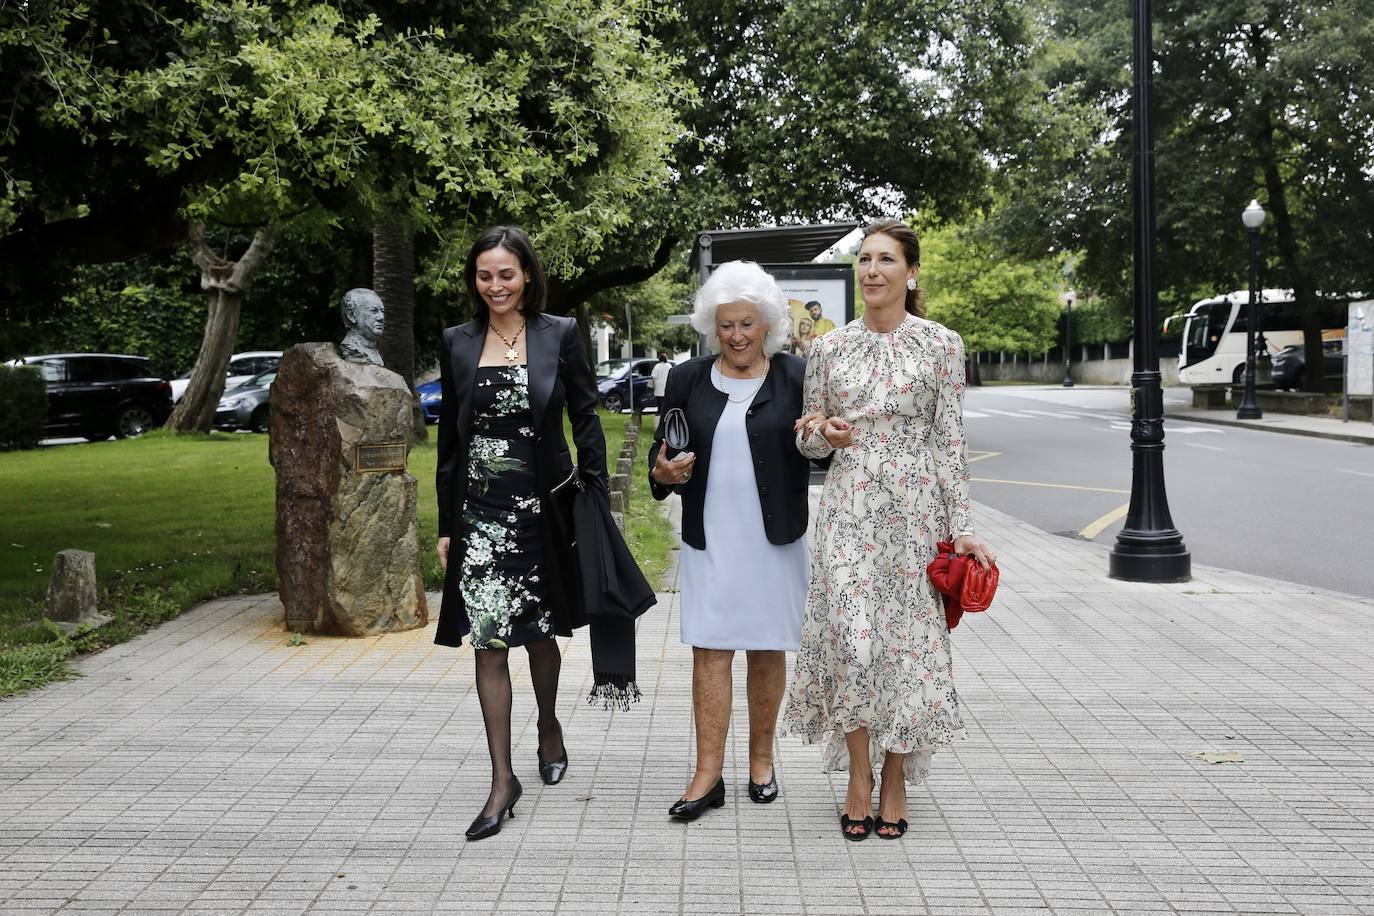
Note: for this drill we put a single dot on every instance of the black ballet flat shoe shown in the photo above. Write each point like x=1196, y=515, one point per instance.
x=551, y=771
x=485, y=825
x=763, y=793
x=856, y=836
x=684, y=810
x=899, y=825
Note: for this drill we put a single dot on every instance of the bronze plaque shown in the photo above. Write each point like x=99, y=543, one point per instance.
x=379, y=458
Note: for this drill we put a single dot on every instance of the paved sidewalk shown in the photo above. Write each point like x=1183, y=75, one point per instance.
x=1361, y=431
x=210, y=767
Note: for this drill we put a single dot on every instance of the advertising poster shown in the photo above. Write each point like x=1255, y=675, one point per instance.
x=1359, y=342
x=817, y=304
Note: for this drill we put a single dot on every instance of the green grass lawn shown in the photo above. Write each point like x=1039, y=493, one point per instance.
x=174, y=521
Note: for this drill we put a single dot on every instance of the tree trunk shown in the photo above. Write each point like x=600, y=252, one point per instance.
x=225, y=283
x=393, y=279
x=1304, y=293
x=972, y=377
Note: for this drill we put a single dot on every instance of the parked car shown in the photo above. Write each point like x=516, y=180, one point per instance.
x=247, y=406
x=99, y=395
x=614, y=390
x=1290, y=364
x=431, y=398
x=242, y=367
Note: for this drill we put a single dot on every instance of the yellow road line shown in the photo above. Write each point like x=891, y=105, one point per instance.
x=979, y=456
x=1096, y=527
x=1057, y=486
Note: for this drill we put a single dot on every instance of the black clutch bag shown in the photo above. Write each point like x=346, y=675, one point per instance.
x=675, y=429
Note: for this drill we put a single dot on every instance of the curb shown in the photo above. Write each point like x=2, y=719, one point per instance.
x=1366, y=439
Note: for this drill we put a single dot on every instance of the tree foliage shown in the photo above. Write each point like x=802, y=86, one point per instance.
x=125, y=117
x=994, y=302
x=1263, y=98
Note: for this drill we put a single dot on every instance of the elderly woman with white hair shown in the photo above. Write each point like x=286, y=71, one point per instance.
x=744, y=562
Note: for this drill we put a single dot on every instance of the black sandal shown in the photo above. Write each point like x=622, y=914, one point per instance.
x=846, y=823
x=899, y=826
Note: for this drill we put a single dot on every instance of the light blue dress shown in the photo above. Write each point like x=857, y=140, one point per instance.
x=741, y=592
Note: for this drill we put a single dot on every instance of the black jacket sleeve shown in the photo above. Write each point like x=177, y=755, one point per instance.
x=579, y=386
x=672, y=397
x=446, y=475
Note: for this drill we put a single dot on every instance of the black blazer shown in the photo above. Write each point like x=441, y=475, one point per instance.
x=782, y=474
x=559, y=378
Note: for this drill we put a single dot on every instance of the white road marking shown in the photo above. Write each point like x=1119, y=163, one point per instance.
x=975, y=414
x=1213, y=448
x=1360, y=473
x=1010, y=413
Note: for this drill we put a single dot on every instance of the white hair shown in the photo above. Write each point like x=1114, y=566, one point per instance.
x=736, y=281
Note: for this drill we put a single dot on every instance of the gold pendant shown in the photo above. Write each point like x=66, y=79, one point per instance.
x=511, y=354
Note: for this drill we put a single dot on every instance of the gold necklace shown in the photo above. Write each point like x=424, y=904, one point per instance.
x=512, y=354
x=720, y=370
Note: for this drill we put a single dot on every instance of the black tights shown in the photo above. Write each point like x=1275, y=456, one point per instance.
x=494, y=693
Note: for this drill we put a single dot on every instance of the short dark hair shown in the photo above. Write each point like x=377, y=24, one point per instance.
x=662, y=357
x=906, y=239
x=514, y=240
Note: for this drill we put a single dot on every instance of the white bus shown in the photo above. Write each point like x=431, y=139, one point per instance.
x=1213, y=350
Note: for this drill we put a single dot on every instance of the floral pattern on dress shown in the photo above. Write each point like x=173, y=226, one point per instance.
x=875, y=649
x=500, y=581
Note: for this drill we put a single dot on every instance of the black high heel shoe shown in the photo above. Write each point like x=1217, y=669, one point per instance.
x=485, y=825
x=684, y=810
x=551, y=771
x=763, y=793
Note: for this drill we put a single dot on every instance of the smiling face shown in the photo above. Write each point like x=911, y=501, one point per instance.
x=741, y=332
x=883, y=272
x=500, y=280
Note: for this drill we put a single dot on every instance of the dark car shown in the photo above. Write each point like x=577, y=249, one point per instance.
x=431, y=397
x=248, y=405
x=613, y=390
x=1290, y=364
x=99, y=395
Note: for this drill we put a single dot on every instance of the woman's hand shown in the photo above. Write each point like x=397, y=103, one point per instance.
x=807, y=425
x=442, y=550
x=968, y=544
x=674, y=472
x=837, y=432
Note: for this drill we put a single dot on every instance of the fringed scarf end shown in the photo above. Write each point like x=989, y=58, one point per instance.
x=614, y=692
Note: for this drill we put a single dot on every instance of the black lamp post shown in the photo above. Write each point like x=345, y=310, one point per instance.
x=1253, y=218
x=1068, y=341
x=1149, y=547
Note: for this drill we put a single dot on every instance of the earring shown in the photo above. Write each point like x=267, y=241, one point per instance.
x=911, y=283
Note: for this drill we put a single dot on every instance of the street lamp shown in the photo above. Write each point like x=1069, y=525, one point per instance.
x=1068, y=340
x=1253, y=218
x=1149, y=547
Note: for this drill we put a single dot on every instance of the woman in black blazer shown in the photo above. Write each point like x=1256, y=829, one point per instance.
x=744, y=562
x=507, y=377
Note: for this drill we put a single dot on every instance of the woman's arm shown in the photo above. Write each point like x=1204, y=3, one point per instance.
x=947, y=438
x=811, y=442
x=672, y=397
x=447, y=475
x=579, y=386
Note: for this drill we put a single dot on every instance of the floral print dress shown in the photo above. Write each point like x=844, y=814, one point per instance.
x=875, y=648
x=500, y=534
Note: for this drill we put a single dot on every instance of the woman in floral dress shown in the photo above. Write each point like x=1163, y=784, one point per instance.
x=507, y=377
x=884, y=395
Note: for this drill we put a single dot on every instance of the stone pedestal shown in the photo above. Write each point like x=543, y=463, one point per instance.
x=348, y=557
x=72, y=599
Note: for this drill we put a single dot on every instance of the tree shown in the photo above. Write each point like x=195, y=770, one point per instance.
x=225, y=282
x=249, y=113
x=994, y=302
x=1264, y=99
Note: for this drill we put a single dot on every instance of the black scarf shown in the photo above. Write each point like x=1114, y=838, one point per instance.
x=614, y=594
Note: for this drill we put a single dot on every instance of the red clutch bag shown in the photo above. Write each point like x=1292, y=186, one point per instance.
x=962, y=581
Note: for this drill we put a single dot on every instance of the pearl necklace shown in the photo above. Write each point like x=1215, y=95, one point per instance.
x=749, y=396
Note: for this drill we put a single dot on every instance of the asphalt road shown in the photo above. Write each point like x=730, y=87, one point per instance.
x=1290, y=507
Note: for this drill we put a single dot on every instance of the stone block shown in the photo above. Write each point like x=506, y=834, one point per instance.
x=1209, y=397
x=617, y=501
x=622, y=467
x=348, y=554
x=72, y=601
